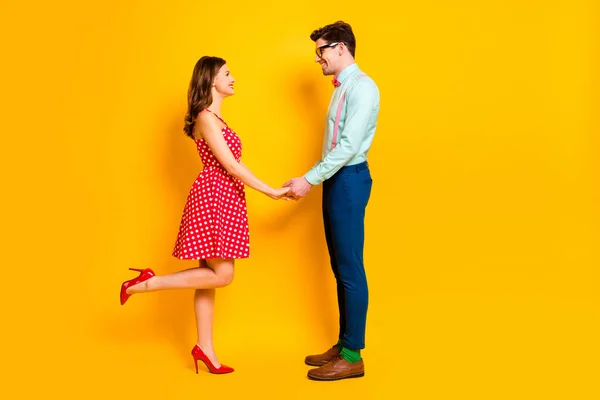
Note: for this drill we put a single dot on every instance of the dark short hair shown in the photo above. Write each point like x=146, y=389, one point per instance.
x=339, y=31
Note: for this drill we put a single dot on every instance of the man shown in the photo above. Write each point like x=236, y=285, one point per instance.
x=344, y=172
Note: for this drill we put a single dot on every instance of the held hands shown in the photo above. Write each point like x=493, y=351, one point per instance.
x=293, y=189
x=299, y=187
x=279, y=193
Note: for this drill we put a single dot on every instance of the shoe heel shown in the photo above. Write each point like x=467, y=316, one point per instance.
x=144, y=275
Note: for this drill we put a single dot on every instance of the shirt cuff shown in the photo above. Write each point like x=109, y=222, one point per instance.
x=312, y=177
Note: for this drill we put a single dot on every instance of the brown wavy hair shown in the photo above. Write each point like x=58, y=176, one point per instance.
x=199, y=91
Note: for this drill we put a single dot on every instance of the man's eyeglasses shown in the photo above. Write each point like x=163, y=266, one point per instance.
x=320, y=49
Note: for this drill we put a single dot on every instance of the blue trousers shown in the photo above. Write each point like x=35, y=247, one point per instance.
x=345, y=199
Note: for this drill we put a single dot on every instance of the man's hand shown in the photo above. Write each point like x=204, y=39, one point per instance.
x=299, y=187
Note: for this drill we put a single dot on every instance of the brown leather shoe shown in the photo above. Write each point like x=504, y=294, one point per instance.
x=337, y=369
x=318, y=360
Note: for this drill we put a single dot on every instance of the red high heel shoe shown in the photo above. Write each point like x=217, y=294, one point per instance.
x=144, y=275
x=198, y=354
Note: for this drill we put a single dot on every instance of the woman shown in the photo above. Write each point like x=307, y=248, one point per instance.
x=214, y=225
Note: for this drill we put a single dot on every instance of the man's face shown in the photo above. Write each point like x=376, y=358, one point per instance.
x=328, y=55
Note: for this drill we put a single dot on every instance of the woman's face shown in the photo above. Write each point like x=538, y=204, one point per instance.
x=223, y=82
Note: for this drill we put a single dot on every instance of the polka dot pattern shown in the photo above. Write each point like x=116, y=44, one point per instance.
x=215, y=219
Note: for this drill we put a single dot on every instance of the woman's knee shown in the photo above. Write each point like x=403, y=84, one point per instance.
x=223, y=269
x=225, y=276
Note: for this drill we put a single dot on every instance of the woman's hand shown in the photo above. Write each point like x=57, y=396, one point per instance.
x=279, y=193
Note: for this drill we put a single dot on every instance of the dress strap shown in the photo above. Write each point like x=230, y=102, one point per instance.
x=220, y=119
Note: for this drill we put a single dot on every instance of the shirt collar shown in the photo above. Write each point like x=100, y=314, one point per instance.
x=347, y=72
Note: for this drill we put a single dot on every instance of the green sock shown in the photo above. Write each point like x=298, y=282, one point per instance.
x=340, y=345
x=352, y=356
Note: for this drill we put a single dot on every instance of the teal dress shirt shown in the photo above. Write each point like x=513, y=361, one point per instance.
x=358, y=120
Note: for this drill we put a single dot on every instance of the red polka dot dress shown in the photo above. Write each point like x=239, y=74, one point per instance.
x=215, y=219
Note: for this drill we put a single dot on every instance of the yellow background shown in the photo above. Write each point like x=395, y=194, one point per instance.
x=482, y=230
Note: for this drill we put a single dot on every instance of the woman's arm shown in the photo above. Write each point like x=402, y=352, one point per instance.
x=209, y=128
